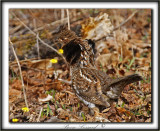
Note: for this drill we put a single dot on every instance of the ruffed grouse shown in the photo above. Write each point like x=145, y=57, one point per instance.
x=92, y=86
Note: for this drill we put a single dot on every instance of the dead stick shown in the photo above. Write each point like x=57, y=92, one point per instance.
x=126, y=20
x=39, y=116
x=68, y=19
x=38, y=45
x=64, y=20
x=35, y=26
x=62, y=15
x=65, y=81
x=20, y=73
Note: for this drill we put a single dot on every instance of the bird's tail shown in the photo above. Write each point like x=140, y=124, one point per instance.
x=127, y=79
x=117, y=85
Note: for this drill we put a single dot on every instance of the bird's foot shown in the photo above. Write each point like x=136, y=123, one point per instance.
x=95, y=111
x=98, y=117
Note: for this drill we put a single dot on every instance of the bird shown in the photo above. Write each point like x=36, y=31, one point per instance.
x=92, y=86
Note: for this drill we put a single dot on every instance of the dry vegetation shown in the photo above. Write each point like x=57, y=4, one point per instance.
x=121, y=50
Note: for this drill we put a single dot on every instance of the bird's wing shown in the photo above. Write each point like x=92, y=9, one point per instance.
x=88, y=86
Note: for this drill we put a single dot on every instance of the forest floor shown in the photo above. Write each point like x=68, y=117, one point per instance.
x=123, y=46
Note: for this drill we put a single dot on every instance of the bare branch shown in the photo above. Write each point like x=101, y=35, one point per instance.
x=38, y=46
x=39, y=116
x=64, y=20
x=25, y=98
x=65, y=81
x=130, y=17
x=68, y=19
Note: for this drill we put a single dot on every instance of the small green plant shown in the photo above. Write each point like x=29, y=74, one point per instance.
x=120, y=59
x=117, y=105
x=123, y=104
x=56, y=104
x=138, y=94
x=147, y=79
x=83, y=115
x=13, y=75
x=96, y=11
x=19, y=77
x=142, y=81
x=145, y=54
x=149, y=20
x=136, y=113
x=52, y=92
x=78, y=105
x=144, y=38
x=71, y=109
x=148, y=112
x=130, y=63
x=101, y=66
x=47, y=112
x=64, y=106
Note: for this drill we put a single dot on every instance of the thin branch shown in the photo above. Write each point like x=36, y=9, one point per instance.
x=64, y=20
x=62, y=15
x=38, y=46
x=68, y=19
x=71, y=93
x=55, y=14
x=40, y=38
x=65, y=81
x=13, y=30
x=35, y=26
x=130, y=17
x=25, y=98
x=39, y=116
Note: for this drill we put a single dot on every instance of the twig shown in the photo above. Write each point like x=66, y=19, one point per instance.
x=68, y=19
x=121, y=52
x=65, y=81
x=35, y=26
x=39, y=116
x=133, y=56
x=62, y=15
x=12, y=31
x=126, y=20
x=55, y=14
x=40, y=38
x=38, y=46
x=69, y=92
x=20, y=73
x=51, y=24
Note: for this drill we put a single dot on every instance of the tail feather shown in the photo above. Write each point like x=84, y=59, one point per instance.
x=117, y=85
x=127, y=79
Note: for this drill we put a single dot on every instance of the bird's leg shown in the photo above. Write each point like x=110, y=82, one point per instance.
x=100, y=94
x=95, y=111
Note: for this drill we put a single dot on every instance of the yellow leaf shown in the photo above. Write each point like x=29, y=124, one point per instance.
x=54, y=61
x=25, y=109
x=60, y=51
x=15, y=120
